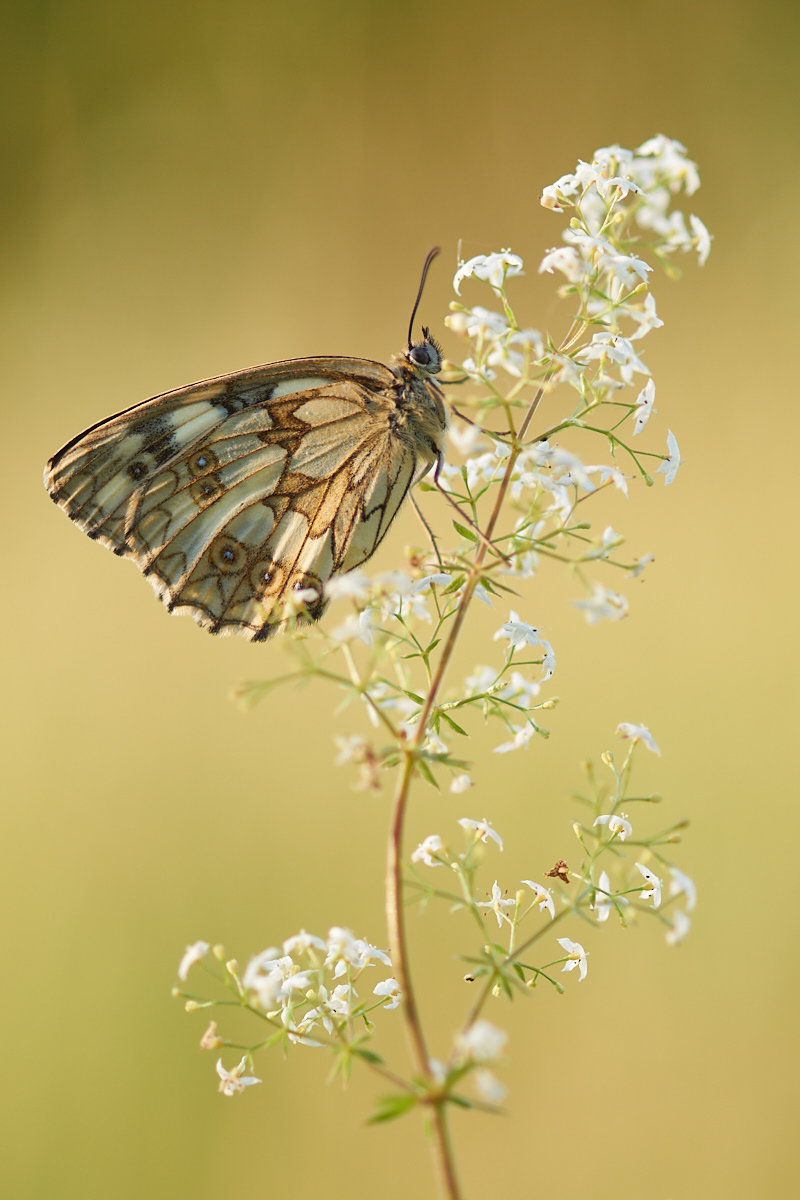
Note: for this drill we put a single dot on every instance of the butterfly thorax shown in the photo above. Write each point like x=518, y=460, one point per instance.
x=421, y=413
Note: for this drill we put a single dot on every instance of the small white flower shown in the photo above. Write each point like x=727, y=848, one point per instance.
x=627, y=268
x=438, y=1070
x=618, y=825
x=618, y=350
x=644, y=406
x=343, y=948
x=390, y=988
x=484, y=374
x=548, y=662
x=646, y=317
x=267, y=960
x=429, y=846
x=639, y=565
x=612, y=474
x=482, y=830
x=395, y=581
x=354, y=585
x=669, y=466
x=543, y=897
x=653, y=888
x=577, y=957
x=478, y=322
x=681, y=884
x=497, y=903
x=488, y=1087
x=296, y=602
x=193, y=954
x=680, y=927
x=565, y=259
x=603, y=604
x=460, y=784
x=435, y=745
x=625, y=186
x=482, y=1042
x=231, y=1082
x=405, y=607
x=341, y=1000
x=670, y=162
x=355, y=628
x=490, y=268
x=638, y=733
x=422, y=585
x=703, y=238
x=466, y=438
x=351, y=749
x=480, y=681
x=521, y=691
x=602, y=904
x=302, y=941
x=518, y=632
x=522, y=735
x=609, y=540
x=481, y=593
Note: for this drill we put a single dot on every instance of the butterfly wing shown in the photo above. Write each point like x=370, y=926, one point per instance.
x=231, y=493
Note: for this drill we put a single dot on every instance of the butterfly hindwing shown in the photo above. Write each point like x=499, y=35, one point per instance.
x=234, y=492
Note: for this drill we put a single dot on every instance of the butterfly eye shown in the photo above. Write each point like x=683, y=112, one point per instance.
x=425, y=354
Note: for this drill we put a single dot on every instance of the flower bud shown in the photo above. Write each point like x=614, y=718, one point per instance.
x=210, y=1040
x=219, y=953
x=608, y=758
x=191, y=1006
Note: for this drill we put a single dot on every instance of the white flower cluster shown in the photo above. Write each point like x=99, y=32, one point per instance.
x=652, y=174
x=619, y=828
x=393, y=594
x=296, y=987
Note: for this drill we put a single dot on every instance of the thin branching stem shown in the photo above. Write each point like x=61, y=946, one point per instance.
x=395, y=915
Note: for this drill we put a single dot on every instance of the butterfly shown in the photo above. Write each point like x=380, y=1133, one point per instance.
x=242, y=494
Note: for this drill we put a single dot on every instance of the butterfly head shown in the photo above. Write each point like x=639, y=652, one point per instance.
x=424, y=358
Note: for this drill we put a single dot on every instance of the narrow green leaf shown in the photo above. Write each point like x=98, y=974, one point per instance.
x=368, y=1055
x=465, y=533
x=453, y=724
x=427, y=774
x=391, y=1107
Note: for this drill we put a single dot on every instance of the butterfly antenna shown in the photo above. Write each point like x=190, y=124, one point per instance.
x=431, y=256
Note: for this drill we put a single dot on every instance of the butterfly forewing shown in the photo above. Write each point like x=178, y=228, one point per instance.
x=235, y=492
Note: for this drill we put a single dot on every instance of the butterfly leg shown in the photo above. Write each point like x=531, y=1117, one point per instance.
x=430, y=532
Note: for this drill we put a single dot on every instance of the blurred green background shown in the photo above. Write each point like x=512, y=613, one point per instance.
x=190, y=188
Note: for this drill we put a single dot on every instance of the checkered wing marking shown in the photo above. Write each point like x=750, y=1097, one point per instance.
x=231, y=493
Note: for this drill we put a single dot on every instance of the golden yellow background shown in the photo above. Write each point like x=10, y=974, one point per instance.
x=190, y=188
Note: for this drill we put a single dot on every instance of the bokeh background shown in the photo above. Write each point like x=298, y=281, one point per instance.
x=193, y=187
